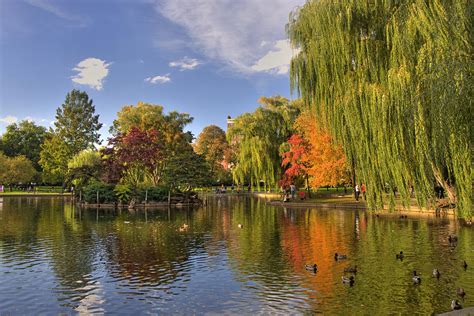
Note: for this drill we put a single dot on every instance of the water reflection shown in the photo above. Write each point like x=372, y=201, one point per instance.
x=60, y=260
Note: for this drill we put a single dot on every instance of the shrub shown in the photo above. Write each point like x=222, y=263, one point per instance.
x=155, y=194
x=106, y=193
x=123, y=192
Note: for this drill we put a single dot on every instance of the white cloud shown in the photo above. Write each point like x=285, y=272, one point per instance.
x=237, y=33
x=49, y=6
x=91, y=72
x=185, y=63
x=158, y=79
x=276, y=60
x=9, y=119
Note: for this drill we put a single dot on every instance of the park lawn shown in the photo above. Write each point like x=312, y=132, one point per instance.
x=32, y=193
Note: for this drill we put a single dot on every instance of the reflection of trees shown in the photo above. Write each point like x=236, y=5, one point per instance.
x=152, y=252
x=256, y=254
x=267, y=256
x=18, y=229
x=72, y=248
x=312, y=236
x=35, y=228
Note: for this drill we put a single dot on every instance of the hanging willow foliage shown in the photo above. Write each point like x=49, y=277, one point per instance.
x=256, y=138
x=393, y=80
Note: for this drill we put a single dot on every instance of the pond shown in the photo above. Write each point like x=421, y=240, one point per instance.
x=58, y=259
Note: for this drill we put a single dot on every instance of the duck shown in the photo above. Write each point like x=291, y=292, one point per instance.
x=313, y=267
x=339, y=257
x=455, y=305
x=348, y=280
x=240, y=226
x=464, y=264
x=436, y=273
x=460, y=292
x=183, y=228
x=416, y=278
x=452, y=238
x=400, y=255
x=351, y=269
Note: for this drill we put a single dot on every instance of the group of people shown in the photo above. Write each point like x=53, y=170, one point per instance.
x=289, y=193
x=360, y=189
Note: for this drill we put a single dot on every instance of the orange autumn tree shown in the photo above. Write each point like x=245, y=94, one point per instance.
x=313, y=153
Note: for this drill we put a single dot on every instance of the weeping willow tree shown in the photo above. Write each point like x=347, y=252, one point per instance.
x=256, y=138
x=393, y=80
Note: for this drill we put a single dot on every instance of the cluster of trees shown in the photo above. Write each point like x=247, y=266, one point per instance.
x=151, y=148
x=312, y=156
x=31, y=153
x=393, y=82
x=148, y=149
x=281, y=143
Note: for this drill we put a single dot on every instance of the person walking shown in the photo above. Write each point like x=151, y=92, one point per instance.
x=293, y=191
x=362, y=190
x=357, y=192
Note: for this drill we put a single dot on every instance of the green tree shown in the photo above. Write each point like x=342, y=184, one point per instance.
x=187, y=170
x=83, y=167
x=145, y=116
x=257, y=137
x=145, y=141
x=76, y=123
x=394, y=82
x=16, y=170
x=212, y=145
x=54, y=157
x=24, y=138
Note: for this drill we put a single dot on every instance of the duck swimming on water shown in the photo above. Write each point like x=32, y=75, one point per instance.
x=452, y=238
x=348, y=280
x=455, y=305
x=460, y=292
x=400, y=255
x=313, y=267
x=416, y=278
x=339, y=257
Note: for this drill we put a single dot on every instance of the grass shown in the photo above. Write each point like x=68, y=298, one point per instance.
x=32, y=193
x=39, y=190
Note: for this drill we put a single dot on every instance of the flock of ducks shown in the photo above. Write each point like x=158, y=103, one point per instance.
x=455, y=304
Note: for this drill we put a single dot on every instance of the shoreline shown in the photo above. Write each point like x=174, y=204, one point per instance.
x=359, y=206
x=45, y=194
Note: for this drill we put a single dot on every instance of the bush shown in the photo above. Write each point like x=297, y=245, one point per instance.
x=123, y=192
x=155, y=194
x=106, y=193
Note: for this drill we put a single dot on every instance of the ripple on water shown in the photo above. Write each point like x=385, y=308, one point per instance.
x=60, y=261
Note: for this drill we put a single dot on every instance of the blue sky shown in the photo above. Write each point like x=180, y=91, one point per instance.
x=209, y=58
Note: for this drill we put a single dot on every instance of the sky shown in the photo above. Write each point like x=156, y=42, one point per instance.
x=208, y=58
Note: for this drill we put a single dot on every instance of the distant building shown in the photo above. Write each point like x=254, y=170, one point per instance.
x=230, y=121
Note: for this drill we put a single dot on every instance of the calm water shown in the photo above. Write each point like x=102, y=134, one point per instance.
x=54, y=259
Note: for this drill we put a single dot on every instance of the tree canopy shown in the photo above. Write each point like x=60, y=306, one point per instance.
x=257, y=137
x=18, y=169
x=148, y=146
x=54, y=157
x=24, y=138
x=394, y=83
x=212, y=145
x=76, y=123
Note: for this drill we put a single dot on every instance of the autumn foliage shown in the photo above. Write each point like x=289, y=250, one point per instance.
x=312, y=153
